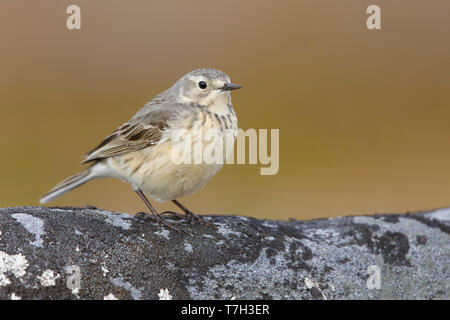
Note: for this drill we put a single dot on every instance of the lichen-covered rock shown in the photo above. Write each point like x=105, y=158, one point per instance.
x=86, y=253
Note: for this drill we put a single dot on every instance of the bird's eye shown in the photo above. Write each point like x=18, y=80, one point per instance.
x=202, y=85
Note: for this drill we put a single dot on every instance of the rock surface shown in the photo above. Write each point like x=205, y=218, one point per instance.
x=86, y=253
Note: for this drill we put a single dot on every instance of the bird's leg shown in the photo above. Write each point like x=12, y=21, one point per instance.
x=190, y=215
x=155, y=215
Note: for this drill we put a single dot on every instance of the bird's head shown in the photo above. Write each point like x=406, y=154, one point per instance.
x=207, y=87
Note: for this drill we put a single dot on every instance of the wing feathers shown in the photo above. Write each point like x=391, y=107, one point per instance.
x=144, y=129
x=125, y=139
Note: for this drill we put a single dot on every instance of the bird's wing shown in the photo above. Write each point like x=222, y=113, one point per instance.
x=143, y=130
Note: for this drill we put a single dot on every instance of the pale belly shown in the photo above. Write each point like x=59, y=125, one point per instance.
x=153, y=171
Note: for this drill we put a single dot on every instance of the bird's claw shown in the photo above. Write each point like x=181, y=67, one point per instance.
x=156, y=217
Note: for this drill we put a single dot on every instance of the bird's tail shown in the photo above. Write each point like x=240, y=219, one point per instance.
x=67, y=185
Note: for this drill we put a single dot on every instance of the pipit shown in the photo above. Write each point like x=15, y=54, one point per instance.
x=141, y=151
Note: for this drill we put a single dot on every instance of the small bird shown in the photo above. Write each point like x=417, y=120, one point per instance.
x=139, y=152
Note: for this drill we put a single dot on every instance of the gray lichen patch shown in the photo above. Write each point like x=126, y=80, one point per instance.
x=15, y=264
x=405, y=257
x=188, y=247
x=117, y=219
x=262, y=280
x=110, y=296
x=163, y=233
x=120, y=282
x=48, y=278
x=226, y=230
x=33, y=225
x=440, y=214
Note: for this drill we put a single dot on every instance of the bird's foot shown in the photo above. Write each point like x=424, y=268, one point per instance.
x=190, y=217
x=156, y=217
x=174, y=214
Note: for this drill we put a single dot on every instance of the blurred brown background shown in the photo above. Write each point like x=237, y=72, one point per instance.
x=363, y=115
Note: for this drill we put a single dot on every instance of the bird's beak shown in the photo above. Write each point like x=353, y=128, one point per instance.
x=230, y=86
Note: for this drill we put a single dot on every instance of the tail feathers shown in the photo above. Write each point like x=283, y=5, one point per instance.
x=67, y=185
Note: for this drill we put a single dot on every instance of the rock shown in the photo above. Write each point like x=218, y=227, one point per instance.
x=88, y=253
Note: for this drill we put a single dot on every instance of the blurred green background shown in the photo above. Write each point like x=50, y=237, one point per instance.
x=363, y=115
